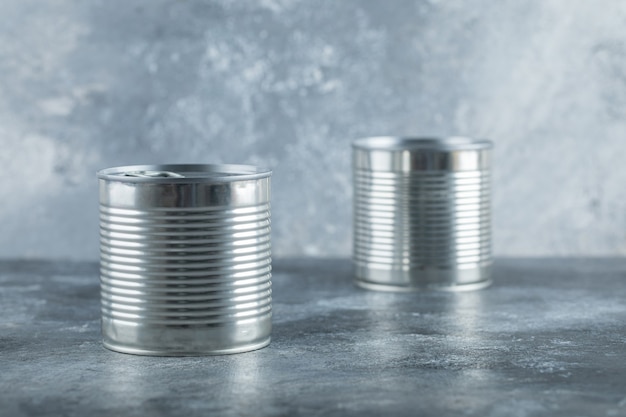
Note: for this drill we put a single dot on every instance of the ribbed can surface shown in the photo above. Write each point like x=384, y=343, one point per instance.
x=422, y=214
x=185, y=259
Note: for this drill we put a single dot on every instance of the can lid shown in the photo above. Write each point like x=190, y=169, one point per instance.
x=394, y=143
x=185, y=173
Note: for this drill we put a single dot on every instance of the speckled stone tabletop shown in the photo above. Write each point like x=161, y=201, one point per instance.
x=548, y=338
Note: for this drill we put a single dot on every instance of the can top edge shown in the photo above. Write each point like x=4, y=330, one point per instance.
x=184, y=173
x=398, y=143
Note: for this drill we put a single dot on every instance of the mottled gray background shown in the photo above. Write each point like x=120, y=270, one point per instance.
x=288, y=84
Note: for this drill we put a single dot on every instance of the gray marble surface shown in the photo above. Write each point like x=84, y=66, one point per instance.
x=288, y=84
x=548, y=338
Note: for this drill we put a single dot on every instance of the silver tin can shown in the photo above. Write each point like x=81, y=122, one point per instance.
x=422, y=216
x=185, y=259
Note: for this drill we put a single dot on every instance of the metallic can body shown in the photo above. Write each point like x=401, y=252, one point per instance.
x=185, y=259
x=422, y=213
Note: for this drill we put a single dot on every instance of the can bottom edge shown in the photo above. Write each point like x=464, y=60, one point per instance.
x=424, y=279
x=146, y=352
x=473, y=286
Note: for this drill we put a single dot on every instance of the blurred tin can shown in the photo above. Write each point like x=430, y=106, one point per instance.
x=422, y=213
x=185, y=259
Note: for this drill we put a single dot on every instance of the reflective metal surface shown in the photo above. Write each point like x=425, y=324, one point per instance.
x=185, y=260
x=422, y=214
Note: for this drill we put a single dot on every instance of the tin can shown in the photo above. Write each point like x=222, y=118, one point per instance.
x=185, y=259
x=422, y=216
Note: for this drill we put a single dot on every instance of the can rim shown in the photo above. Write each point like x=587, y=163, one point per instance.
x=219, y=173
x=401, y=143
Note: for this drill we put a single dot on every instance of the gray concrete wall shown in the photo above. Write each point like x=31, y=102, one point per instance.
x=288, y=84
